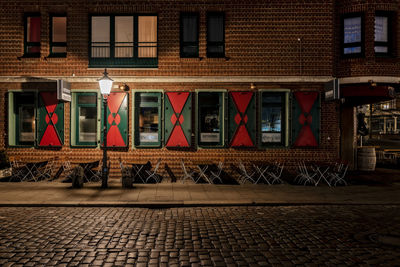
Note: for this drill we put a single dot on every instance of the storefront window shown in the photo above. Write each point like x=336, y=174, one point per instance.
x=148, y=127
x=272, y=113
x=26, y=124
x=85, y=119
x=210, y=118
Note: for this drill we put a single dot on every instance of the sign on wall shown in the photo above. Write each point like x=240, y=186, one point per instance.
x=63, y=90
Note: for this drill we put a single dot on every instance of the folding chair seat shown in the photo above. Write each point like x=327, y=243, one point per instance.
x=152, y=174
x=305, y=175
x=215, y=172
x=245, y=176
x=189, y=173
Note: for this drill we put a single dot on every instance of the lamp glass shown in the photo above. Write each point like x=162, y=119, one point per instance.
x=105, y=85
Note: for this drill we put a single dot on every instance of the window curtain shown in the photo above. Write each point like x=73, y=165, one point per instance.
x=147, y=26
x=381, y=29
x=215, y=28
x=352, y=30
x=189, y=28
x=34, y=29
x=124, y=36
x=100, y=37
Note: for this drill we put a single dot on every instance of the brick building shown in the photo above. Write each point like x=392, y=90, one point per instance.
x=192, y=79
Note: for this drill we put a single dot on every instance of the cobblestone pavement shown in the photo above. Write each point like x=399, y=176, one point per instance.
x=218, y=236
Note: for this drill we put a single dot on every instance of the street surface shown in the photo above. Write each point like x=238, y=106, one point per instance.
x=214, y=236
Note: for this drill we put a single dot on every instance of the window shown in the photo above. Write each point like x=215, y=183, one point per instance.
x=383, y=33
x=84, y=119
x=215, y=34
x=353, y=36
x=210, y=119
x=58, y=36
x=148, y=107
x=35, y=119
x=123, y=41
x=189, y=35
x=32, y=35
x=25, y=118
x=273, y=118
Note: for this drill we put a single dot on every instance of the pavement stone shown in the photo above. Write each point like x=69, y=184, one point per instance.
x=257, y=235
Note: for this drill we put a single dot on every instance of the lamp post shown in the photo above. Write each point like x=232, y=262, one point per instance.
x=105, y=84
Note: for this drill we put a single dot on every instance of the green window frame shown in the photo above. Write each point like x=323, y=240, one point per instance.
x=279, y=100
x=58, y=48
x=207, y=119
x=132, y=53
x=75, y=118
x=145, y=103
x=189, y=49
x=14, y=117
x=32, y=34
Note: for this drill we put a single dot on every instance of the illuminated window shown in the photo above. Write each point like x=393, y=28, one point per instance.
x=353, y=39
x=58, y=38
x=32, y=35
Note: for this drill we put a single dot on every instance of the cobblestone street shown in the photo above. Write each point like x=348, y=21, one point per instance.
x=219, y=236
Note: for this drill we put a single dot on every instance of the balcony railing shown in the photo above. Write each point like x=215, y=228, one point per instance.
x=123, y=54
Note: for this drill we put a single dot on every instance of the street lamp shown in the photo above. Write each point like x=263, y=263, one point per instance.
x=105, y=84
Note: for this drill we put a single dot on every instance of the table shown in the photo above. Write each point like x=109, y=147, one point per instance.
x=321, y=168
x=203, y=167
x=31, y=170
x=261, y=168
x=89, y=173
x=138, y=169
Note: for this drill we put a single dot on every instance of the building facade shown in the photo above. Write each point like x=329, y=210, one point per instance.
x=193, y=80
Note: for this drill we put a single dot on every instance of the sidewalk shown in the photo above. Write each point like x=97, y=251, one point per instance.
x=177, y=194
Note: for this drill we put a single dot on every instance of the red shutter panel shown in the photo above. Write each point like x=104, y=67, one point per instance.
x=306, y=116
x=50, y=120
x=178, y=119
x=117, y=119
x=241, y=132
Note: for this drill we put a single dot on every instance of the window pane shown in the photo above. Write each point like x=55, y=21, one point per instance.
x=210, y=124
x=87, y=99
x=33, y=29
x=147, y=27
x=149, y=99
x=59, y=49
x=26, y=124
x=381, y=49
x=87, y=123
x=189, y=28
x=352, y=30
x=59, y=29
x=215, y=31
x=100, y=37
x=148, y=124
x=381, y=29
x=124, y=36
x=271, y=119
x=352, y=50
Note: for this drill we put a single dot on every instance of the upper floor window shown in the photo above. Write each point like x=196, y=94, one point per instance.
x=215, y=34
x=353, y=39
x=189, y=34
x=58, y=37
x=123, y=41
x=32, y=35
x=382, y=38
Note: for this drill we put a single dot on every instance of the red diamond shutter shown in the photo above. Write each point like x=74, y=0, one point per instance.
x=305, y=119
x=50, y=120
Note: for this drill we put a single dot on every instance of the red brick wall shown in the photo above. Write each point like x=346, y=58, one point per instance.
x=369, y=65
x=261, y=37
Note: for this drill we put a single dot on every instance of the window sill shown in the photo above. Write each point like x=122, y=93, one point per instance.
x=33, y=56
x=60, y=55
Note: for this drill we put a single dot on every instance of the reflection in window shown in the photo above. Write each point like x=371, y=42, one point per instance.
x=210, y=117
x=87, y=124
x=148, y=119
x=148, y=124
x=272, y=113
x=26, y=123
x=352, y=35
x=86, y=119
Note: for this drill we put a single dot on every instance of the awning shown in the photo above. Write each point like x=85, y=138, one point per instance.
x=356, y=95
